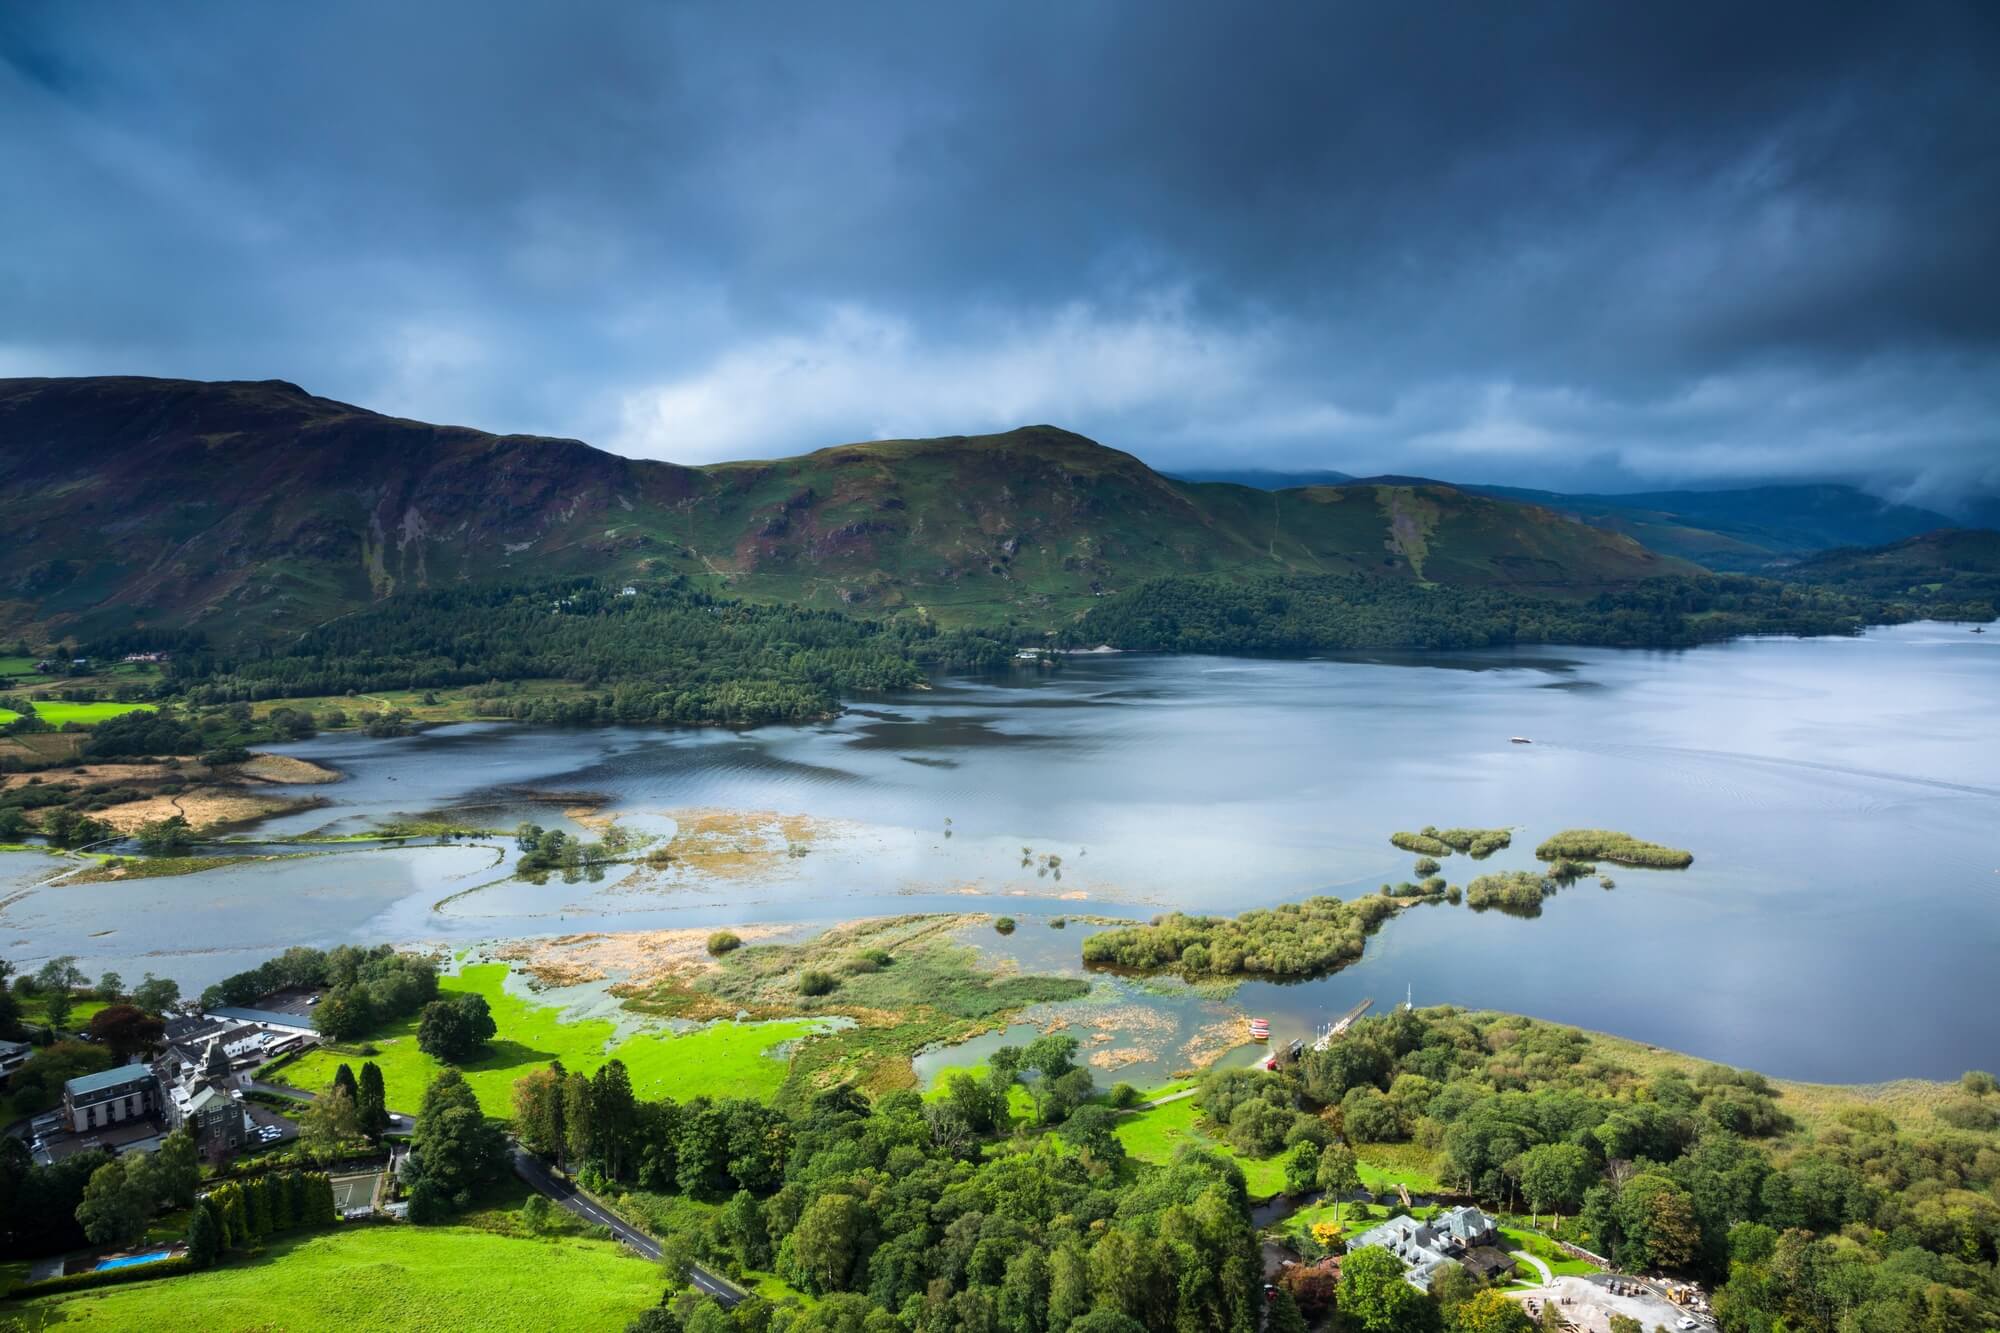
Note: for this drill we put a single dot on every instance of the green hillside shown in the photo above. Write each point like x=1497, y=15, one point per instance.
x=256, y=510
x=1953, y=574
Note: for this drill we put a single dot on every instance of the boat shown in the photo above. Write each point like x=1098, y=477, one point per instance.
x=1520, y=740
x=1260, y=1029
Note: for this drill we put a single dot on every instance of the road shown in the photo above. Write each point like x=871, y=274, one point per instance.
x=529, y=1168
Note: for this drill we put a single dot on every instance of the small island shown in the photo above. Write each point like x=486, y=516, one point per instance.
x=1477, y=843
x=1596, y=844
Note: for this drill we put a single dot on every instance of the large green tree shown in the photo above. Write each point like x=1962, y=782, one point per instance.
x=1375, y=1298
x=453, y=1150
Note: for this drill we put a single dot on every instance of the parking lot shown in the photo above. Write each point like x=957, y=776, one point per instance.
x=1589, y=1303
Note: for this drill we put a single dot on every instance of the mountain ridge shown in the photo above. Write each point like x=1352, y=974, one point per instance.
x=255, y=508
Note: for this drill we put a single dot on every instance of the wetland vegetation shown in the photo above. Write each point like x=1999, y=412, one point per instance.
x=1292, y=940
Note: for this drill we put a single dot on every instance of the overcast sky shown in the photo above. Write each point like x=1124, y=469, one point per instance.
x=1612, y=245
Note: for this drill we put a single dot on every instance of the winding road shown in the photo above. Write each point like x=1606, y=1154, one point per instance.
x=530, y=1169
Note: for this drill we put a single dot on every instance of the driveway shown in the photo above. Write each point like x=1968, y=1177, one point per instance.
x=1548, y=1274
x=531, y=1169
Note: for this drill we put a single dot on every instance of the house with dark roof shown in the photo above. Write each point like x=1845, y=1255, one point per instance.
x=206, y=1097
x=13, y=1054
x=1425, y=1246
x=93, y=1101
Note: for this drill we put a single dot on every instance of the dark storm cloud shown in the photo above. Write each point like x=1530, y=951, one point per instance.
x=1589, y=244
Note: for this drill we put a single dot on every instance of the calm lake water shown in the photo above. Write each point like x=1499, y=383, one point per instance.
x=1842, y=799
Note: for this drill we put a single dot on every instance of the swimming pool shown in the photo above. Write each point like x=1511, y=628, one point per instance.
x=131, y=1259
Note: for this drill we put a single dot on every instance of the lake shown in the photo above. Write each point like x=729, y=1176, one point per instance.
x=1841, y=797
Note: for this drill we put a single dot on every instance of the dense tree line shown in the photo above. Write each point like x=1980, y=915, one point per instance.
x=1291, y=940
x=1864, y=1226
x=1302, y=614
x=362, y=987
x=912, y=1214
x=242, y=1212
x=667, y=653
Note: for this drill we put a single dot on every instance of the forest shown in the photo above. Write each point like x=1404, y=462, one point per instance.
x=1278, y=615
x=916, y=1213
x=662, y=653
x=1850, y=1224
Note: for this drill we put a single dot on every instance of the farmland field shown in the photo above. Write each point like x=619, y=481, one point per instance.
x=55, y=712
x=722, y=1059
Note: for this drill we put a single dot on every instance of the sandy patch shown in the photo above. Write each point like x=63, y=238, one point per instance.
x=203, y=807
x=721, y=844
x=115, y=774
x=638, y=958
x=288, y=770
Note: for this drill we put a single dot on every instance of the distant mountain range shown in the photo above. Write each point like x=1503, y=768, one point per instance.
x=1759, y=529
x=253, y=509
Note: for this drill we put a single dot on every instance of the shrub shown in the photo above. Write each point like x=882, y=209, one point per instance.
x=1974, y=1113
x=1517, y=891
x=1477, y=843
x=1976, y=1082
x=1426, y=867
x=879, y=957
x=812, y=981
x=1124, y=1095
x=722, y=942
x=1005, y=925
x=1421, y=842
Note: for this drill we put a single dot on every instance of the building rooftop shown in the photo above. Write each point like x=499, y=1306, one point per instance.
x=110, y=1078
x=269, y=1017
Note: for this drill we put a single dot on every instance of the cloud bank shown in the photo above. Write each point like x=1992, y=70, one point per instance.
x=1581, y=246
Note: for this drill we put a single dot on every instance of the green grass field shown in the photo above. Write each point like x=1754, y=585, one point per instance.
x=1535, y=1243
x=722, y=1059
x=1153, y=1136
x=421, y=1279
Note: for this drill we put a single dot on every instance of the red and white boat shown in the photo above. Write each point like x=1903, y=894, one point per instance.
x=1260, y=1029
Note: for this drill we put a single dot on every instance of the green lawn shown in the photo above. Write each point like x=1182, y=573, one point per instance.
x=422, y=1279
x=35, y=1011
x=1384, y=1166
x=722, y=1059
x=1535, y=1243
x=7, y=715
x=1153, y=1136
x=55, y=712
